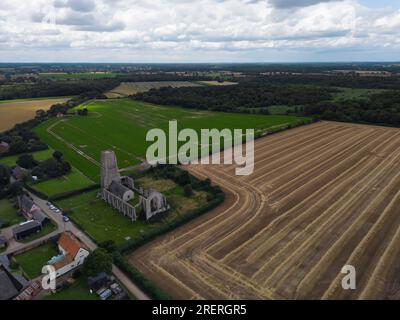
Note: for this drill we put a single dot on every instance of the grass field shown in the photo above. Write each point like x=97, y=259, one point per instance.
x=129, y=88
x=8, y=213
x=16, y=111
x=78, y=291
x=33, y=260
x=355, y=93
x=103, y=223
x=38, y=156
x=122, y=125
x=73, y=181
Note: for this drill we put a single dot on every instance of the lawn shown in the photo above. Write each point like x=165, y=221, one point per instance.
x=122, y=125
x=39, y=156
x=33, y=261
x=78, y=290
x=73, y=181
x=8, y=213
x=103, y=223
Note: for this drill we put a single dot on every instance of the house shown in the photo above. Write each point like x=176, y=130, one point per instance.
x=31, y=211
x=26, y=229
x=4, y=147
x=72, y=254
x=20, y=173
x=9, y=285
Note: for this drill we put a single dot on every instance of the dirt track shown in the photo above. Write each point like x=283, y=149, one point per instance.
x=322, y=196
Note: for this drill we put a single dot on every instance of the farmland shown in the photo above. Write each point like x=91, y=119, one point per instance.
x=322, y=196
x=16, y=111
x=122, y=125
x=129, y=88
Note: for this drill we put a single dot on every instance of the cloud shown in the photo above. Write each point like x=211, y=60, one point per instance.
x=284, y=4
x=76, y=5
x=174, y=30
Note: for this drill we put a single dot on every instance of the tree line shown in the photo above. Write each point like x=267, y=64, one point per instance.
x=236, y=98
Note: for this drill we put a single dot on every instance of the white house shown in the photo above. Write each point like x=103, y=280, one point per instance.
x=72, y=255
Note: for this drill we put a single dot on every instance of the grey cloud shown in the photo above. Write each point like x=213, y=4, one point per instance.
x=284, y=4
x=76, y=5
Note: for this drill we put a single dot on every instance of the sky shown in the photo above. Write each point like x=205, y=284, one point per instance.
x=162, y=31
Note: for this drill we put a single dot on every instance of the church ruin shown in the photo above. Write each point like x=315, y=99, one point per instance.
x=119, y=190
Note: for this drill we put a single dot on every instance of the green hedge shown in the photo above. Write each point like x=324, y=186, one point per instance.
x=65, y=195
x=144, y=283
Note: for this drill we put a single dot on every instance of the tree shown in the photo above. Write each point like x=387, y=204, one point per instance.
x=188, y=190
x=98, y=261
x=64, y=168
x=58, y=155
x=17, y=188
x=5, y=174
x=26, y=161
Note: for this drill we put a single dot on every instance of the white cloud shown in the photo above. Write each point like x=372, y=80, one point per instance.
x=206, y=30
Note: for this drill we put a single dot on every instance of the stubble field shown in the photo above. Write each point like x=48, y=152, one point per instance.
x=17, y=111
x=322, y=196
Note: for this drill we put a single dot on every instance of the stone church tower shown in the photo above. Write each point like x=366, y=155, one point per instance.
x=109, y=169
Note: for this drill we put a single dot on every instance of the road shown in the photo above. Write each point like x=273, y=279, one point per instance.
x=63, y=226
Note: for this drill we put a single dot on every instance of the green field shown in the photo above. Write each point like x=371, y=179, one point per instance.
x=354, y=93
x=122, y=125
x=103, y=223
x=8, y=213
x=78, y=291
x=280, y=110
x=33, y=260
x=72, y=181
x=39, y=156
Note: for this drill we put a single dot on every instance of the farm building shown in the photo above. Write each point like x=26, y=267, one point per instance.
x=4, y=147
x=26, y=229
x=72, y=255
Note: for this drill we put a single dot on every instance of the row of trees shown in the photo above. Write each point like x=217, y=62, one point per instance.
x=382, y=108
x=49, y=88
x=237, y=98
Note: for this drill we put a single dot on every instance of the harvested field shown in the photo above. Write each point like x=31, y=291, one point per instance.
x=322, y=196
x=17, y=111
x=126, y=89
x=217, y=83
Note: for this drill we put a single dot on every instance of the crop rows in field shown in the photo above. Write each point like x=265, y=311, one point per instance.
x=322, y=196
